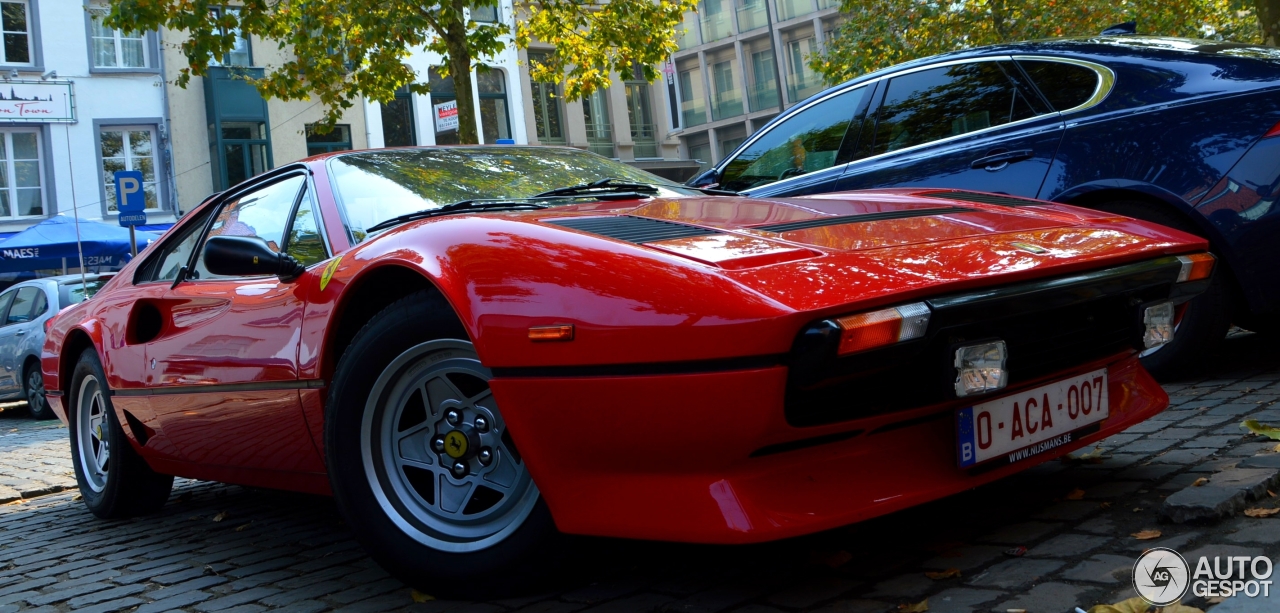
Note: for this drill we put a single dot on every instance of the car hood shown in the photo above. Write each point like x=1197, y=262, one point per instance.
x=824, y=251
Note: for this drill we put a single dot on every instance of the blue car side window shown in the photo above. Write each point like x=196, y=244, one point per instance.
x=929, y=105
x=805, y=142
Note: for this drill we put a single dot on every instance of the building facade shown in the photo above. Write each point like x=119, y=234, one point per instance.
x=227, y=132
x=78, y=101
x=431, y=119
x=739, y=64
x=630, y=121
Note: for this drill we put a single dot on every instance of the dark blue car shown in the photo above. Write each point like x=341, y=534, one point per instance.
x=1181, y=132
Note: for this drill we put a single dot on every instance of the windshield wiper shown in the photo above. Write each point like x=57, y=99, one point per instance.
x=458, y=207
x=603, y=185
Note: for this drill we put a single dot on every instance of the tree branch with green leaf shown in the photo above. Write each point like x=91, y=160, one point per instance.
x=881, y=33
x=344, y=50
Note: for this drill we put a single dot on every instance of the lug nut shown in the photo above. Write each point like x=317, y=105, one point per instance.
x=482, y=424
x=438, y=445
x=452, y=417
x=459, y=469
x=485, y=456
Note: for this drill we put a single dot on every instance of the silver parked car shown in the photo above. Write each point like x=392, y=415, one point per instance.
x=24, y=309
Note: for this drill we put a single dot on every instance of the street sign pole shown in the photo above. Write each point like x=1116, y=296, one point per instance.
x=133, y=242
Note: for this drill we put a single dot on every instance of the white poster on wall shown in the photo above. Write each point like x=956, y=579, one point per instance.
x=446, y=114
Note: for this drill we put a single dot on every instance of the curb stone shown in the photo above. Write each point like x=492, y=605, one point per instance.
x=1226, y=494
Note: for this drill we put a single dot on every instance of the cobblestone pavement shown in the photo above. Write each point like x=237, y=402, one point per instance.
x=230, y=549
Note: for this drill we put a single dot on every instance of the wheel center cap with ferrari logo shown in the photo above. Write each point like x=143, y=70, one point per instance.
x=455, y=444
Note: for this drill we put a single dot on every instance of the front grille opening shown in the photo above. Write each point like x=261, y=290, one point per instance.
x=632, y=229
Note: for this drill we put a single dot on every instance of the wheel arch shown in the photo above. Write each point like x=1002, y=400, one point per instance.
x=75, y=343
x=1093, y=195
x=367, y=294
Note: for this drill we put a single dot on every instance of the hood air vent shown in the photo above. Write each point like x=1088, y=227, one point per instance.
x=840, y=220
x=632, y=229
x=984, y=198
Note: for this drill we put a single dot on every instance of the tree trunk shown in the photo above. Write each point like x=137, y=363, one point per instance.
x=1269, y=19
x=455, y=39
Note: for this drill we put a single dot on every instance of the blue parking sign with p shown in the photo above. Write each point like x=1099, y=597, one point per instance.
x=129, y=195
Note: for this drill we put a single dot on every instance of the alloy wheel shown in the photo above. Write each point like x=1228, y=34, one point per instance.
x=437, y=453
x=91, y=433
x=35, y=390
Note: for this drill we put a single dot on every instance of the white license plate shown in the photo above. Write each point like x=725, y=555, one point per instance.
x=1028, y=423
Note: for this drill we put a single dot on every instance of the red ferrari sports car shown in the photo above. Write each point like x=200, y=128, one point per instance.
x=477, y=350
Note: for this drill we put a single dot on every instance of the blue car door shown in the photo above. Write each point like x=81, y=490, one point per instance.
x=974, y=124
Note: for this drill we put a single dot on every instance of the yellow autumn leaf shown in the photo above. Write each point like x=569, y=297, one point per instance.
x=221, y=516
x=1178, y=607
x=1146, y=535
x=919, y=607
x=1257, y=427
x=1200, y=482
x=1076, y=494
x=1260, y=512
x=943, y=574
x=1132, y=605
x=420, y=597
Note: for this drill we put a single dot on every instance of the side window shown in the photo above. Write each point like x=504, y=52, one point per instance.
x=174, y=254
x=263, y=213
x=806, y=142
x=305, y=243
x=929, y=105
x=22, y=305
x=1065, y=85
x=41, y=305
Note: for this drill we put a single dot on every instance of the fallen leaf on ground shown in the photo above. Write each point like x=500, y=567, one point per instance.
x=1260, y=512
x=1137, y=509
x=221, y=516
x=833, y=559
x=420, y=597
x=919, y=607
x=1199, y=482
x=1214, y=600
x=1146, y=535
x=1275, y=449
x=1257, y=427
x=1132, y=605
x=950, y=573
x=1104, y=505
x=1015, y=611
x=1271, y=493
x=77, y=497
x=241, y=527
x=1076, y=494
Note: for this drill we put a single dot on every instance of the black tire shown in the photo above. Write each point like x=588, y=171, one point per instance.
x=1204, y=325
x=532, y=550
x=129, y=486
x=33, y=389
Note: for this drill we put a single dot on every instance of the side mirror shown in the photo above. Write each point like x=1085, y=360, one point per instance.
x=248, y=256
x=710, y=178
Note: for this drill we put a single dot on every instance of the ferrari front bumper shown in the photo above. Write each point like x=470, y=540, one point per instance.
x=710, y=457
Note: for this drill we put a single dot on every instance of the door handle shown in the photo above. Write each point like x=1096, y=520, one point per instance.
x=997, y=161
x=19, y=332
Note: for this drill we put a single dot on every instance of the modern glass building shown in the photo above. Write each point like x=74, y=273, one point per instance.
x=740, y=63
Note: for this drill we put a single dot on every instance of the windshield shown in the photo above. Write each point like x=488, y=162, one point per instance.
x=374, y=186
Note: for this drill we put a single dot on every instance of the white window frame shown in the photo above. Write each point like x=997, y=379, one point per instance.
x=30, y=32
x=96, y=13
x=239, y=32
x=11, y=172
x=127, y=153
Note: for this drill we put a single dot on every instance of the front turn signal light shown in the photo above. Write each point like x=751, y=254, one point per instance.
x=1195, y=267
x=884, y=327
x=542, y=334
